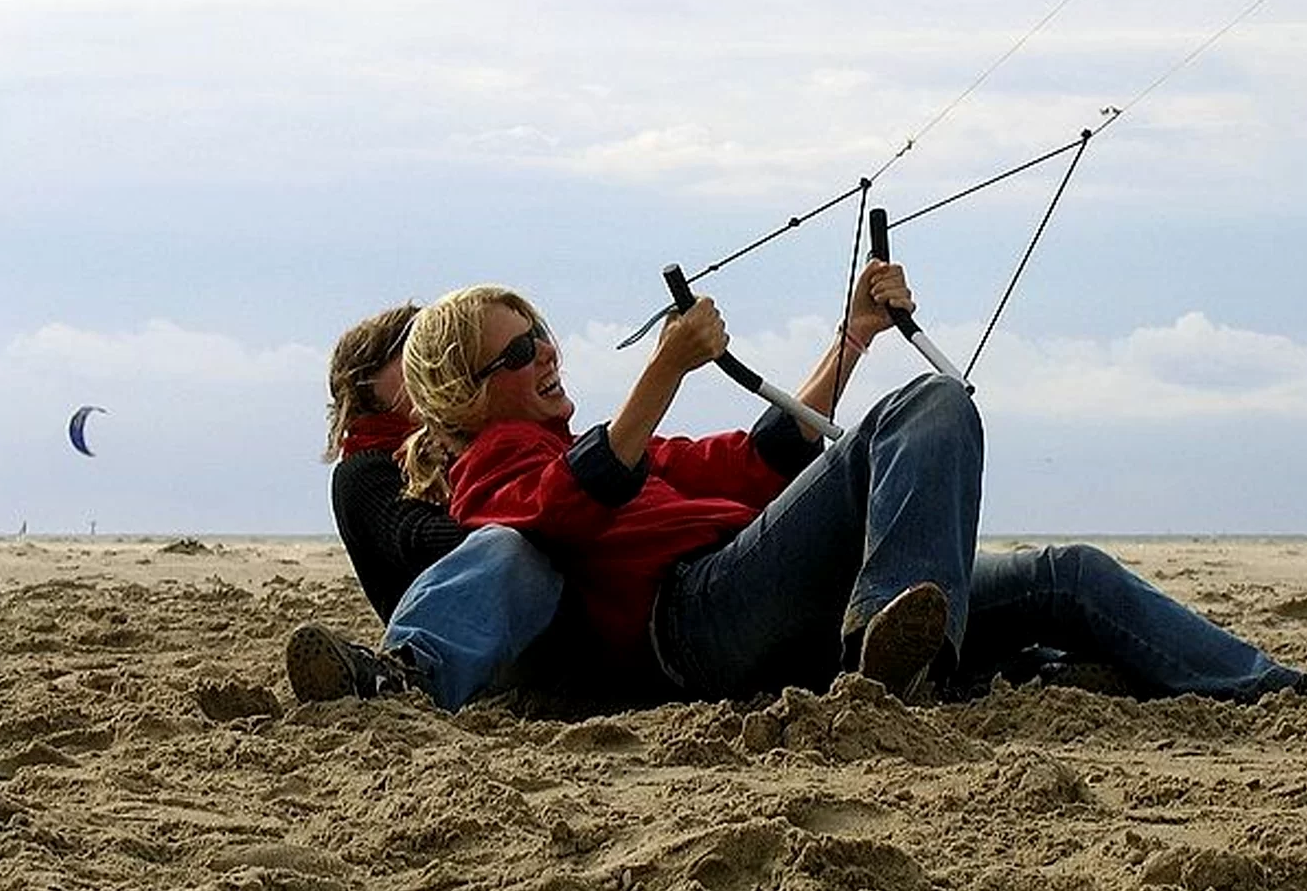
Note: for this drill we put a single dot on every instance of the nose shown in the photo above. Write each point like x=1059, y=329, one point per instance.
x=545, y=350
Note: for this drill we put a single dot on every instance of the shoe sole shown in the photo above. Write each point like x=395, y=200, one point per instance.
x=902, y=639
x=318, y=671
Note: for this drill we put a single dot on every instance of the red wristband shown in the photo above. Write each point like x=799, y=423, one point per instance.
x=855, y=343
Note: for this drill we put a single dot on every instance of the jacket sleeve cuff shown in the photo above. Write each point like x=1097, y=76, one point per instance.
x=780, y=443
x=600, y=473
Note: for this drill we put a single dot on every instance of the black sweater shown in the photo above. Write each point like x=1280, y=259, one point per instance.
x=390, y=539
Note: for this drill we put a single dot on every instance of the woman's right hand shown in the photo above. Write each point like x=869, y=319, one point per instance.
x=688, y=340
x=880, y=286
x=693, y=338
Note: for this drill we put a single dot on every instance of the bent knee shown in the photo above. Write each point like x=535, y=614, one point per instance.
x=501, y=537
x=1075, y=561
x=940, y=400
x=944, y=391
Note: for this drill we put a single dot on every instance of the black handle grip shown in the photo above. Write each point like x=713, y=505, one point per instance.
x=878, y=224
x=680, y=288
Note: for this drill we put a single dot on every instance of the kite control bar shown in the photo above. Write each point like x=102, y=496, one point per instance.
x=879, y=226
x=745, y=376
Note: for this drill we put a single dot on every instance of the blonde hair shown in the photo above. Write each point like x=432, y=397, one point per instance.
x=440, y=359
x=360, y=354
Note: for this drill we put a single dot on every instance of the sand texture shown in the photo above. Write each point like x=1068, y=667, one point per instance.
x=149, y=739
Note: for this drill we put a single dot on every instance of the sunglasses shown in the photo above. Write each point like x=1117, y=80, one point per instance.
x=517, y=353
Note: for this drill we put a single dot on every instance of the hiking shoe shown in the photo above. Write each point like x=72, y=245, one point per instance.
x=902, y=639
x=322, y=666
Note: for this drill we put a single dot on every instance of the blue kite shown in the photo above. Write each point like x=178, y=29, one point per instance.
x=76, y=428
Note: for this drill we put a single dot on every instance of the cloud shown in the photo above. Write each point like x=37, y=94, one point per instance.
x=651, y=152
x=1196, y=352
x=720, y=99
x=206, y=426
x=159, y=350
x=1192, y=369
x=840, y=80
x=516, y=141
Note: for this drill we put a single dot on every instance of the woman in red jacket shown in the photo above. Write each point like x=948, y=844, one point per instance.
x=744, y=561
x=732, y=563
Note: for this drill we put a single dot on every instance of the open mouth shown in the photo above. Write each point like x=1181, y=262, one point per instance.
x=551, y=387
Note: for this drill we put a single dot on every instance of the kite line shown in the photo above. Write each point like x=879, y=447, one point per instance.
x=678, y=283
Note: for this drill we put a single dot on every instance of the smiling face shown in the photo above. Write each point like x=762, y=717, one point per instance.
x=533, y=392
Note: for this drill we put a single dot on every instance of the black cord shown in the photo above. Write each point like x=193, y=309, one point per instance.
x=970, y=190
x=848, y=298
x=862, y=186
x=792, y=223
x=1084, y=142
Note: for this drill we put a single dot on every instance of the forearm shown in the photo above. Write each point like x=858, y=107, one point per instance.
x=639, y=417
x=821, y=390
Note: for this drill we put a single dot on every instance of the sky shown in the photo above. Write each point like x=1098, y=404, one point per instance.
x=197, y=198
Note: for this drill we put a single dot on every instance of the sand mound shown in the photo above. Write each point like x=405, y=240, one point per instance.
x=188, y=546
x=148, y=739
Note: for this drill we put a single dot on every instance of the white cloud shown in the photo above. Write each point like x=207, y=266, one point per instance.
x=840, y=80
x=506, y=142
x=1190, y=369
x=655, y=151
x=160, y=349
x=715, y=96
x=183, y=401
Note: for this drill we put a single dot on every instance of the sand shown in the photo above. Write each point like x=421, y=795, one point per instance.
x=149, y=739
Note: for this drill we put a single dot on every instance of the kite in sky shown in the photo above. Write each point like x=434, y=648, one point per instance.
x=77, y=425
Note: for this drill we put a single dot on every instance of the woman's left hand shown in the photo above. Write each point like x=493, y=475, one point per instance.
x=880, y=285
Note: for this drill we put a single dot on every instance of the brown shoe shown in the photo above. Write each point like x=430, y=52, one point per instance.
x=323, y=665
x=902, y=639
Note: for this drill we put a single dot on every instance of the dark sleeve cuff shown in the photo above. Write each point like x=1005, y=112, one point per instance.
x=599, y=472
x=781, y=443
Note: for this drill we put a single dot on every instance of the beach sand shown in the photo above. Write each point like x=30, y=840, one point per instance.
x=149, y=739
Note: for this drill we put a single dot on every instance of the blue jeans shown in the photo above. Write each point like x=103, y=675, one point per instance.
x=467, y=617
x=894, y=501
x=1079, y=600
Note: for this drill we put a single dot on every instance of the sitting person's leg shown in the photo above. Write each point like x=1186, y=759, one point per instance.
x=1077, y=599
x=458, y=628
x=890, y=505
x=466, y=619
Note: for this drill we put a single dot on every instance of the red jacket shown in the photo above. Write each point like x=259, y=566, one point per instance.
x=617, y=532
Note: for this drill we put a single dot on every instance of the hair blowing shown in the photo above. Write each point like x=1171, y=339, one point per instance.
x=440, y=358
x=360, y=354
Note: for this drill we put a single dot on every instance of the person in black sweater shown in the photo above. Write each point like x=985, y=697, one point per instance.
x=390, y=539
x=460, y=606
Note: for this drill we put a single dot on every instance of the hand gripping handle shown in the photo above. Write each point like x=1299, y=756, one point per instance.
x=745, y=376
x=879, y=225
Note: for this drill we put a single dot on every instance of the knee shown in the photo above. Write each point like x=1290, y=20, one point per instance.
x=502, y=539
x=1074, y=563
x=934, y=403
x=945, y=396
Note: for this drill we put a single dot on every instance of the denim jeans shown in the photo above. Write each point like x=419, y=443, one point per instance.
x=467, y=617
x=894, y=501
x=1077, y=599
